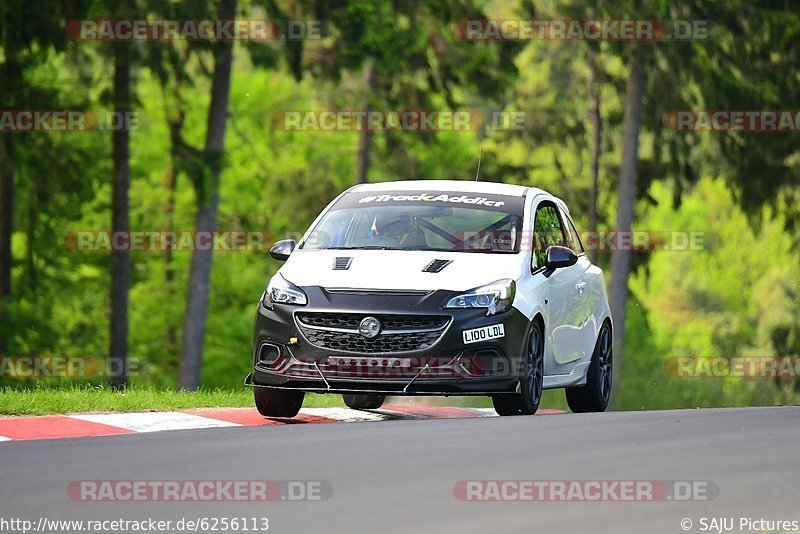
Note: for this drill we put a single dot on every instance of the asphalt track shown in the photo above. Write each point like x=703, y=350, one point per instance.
x=398, y=476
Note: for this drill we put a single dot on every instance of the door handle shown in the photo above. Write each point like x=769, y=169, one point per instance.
x=580, y=286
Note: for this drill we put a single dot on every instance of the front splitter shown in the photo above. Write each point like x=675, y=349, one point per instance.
x=370, y=387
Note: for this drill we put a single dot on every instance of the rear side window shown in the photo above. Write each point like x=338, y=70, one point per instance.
x=547, y=231
x=574, y=242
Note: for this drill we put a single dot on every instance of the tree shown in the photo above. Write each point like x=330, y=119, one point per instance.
x=593, y=90
x=206, y=187
x=121, y=181
x=28, y=33
x=10, y=69
x=366, y=134
x=753, y=73
x=420, y=63
x=722, y=72
x=6, y=226
x=168, y=62
x=626, y=195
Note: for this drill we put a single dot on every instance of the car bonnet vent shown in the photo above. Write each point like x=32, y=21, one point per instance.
x=342, y=263
x=436, y=265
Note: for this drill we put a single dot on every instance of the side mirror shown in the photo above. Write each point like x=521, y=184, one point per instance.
x=282, y=249
x=558, y=257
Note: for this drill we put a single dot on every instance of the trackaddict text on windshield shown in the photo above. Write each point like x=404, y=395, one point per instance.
x=427, y=197
x=510, y=204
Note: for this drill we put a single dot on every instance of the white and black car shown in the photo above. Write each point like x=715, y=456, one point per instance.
x=435, y=288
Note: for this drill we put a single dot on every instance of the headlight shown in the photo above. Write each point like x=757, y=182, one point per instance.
x=496, y=297
x=282, y=291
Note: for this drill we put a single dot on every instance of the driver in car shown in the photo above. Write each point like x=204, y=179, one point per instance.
x=402, y=232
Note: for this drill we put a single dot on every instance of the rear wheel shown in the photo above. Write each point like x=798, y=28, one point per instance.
x=369, y=401
x=531, y=381
x=594, y=396
x=277, y=402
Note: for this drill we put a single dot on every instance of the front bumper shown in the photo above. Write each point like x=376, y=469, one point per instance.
x=291, y=354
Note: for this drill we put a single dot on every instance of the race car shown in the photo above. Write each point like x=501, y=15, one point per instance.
x=435, y=287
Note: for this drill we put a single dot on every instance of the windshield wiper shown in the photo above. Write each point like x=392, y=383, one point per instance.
x=485, y=249
x=365, y=247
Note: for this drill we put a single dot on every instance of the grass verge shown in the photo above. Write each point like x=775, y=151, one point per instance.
x=71, y=399
x=86, y=398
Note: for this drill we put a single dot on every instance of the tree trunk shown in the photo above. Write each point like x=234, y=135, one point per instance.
x=207, y=188
x=121, y=181
x=176, y=117
x=9, y=70
x=596, y=148
x=175, y=124
x=171, y=337
x=366, y=136
x=6, y=231
x=30, y=250
x=626, y=198
x=6, y=228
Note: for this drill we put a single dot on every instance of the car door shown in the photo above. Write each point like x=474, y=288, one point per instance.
x=588, y=298
x=562, y=291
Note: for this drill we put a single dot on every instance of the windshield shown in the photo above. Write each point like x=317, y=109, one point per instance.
x=418, y=220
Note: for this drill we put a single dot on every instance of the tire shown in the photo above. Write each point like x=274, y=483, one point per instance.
x=594, y=396
x=531, y=380
x=278, y=402
x=506, y=404
x=369, y=401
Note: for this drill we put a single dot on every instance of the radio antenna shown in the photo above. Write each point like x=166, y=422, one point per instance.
x=478, y=173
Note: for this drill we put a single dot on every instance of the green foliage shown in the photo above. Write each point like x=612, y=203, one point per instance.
x=732, y=298
x=737, y=296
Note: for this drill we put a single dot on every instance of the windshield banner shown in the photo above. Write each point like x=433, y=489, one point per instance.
x=453, y=199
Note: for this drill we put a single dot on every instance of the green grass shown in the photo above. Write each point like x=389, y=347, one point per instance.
x=43, y=400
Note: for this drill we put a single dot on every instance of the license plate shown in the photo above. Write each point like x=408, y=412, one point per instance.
x=484, y=333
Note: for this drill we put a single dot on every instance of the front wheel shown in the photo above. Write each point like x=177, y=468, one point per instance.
x=277, y=402
x=368, y=401
x=531, y=381
x=594, y=396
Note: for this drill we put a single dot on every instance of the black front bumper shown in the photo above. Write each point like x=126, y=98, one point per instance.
x=290, y=354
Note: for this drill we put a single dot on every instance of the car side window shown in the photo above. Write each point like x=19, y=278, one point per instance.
x=572, y=235
x=547, y=231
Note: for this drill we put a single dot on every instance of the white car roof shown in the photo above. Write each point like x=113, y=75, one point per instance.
x=449, y=185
